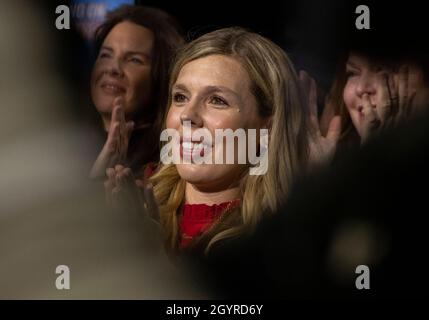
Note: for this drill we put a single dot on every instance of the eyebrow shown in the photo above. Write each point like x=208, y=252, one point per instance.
x=127, y=52
x=180, y=86
x=222, y=88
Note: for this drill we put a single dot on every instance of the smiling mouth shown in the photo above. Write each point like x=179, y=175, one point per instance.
x=112, y=88
x=190, y=149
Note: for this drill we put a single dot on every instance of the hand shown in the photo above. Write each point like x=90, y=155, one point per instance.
x=395, y=105
x=130, y=196
x=321, y=148
x=123, y=191
x=116, y=147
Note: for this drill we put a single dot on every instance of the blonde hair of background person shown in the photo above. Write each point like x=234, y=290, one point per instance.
x=275, y=86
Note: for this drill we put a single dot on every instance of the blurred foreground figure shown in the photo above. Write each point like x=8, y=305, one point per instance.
x=368, y=210
x=49, y=213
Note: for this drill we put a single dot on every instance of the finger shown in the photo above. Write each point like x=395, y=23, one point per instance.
x=123, y=177
x=415, y=78
x=110, y=173
x=117, y=176
x=125, y=138
x=119, y=113
x=304, y=79
x=370, y=120
x=384, y=107
x=116, y=111
x=327, y=114
x=129, y=129
x=119, y=104
x=313, y=98
x=112, y=144
x=402, y=90
x=393, y=94
x=367, y=109
x=113, y=132
x=334, y=130
x=111, y=176
x=119, y=181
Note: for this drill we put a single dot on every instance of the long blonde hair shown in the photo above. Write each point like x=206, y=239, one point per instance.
x=275, y=86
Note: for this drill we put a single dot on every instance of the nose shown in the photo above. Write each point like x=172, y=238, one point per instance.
x=191, y=112
x=114, y=68
x=366, y=85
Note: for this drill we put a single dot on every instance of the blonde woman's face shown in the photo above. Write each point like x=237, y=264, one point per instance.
x=212, y=93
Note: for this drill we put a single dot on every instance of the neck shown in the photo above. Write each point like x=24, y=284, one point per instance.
x=194, y=195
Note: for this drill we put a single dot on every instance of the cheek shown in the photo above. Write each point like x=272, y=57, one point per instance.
x=139, y=88
x=96, y=73
x=222, y=120
x=173, y=118
x=139, y=78
x=349, y=96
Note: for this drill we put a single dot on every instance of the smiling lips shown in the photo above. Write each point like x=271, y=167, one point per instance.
x=112, y=87
x=191, y=148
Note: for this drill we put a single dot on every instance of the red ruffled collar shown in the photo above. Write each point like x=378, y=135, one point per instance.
x=197, y=218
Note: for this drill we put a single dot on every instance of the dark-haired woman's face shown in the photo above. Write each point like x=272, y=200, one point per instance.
x=363, y=77
x=123, y=68
x=366, y=77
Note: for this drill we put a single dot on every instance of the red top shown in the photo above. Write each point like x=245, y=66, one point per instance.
x=197, y=218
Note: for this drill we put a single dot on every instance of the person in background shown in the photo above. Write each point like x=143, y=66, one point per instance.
x=134, y=48
x=374, y=92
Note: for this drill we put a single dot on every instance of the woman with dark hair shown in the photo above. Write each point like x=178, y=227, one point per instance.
x=379, y=83
x=129, y=81
x=374, y=92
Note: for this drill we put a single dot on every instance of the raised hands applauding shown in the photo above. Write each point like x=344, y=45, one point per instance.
x=321, y=147
x=124, y=191
x=396, y=92
x=116, y=147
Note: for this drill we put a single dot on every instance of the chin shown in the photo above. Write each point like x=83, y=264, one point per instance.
x=206, y=175
x=193, y=173
x=103, y=104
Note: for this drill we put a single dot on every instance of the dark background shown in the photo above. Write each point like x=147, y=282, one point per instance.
x=314, y=33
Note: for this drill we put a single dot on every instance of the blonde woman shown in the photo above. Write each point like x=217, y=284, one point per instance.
x=226, y=79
